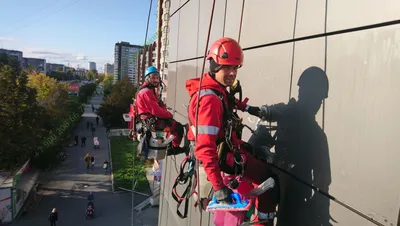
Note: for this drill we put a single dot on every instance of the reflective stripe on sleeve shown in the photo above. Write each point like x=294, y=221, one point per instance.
x=209, y=130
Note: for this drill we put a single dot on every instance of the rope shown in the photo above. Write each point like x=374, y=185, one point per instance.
x=134, y=182
x=198, y=101
x=241, y=21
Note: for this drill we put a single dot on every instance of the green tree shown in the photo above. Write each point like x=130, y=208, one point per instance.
x=86, y=91
x=117, y=102
x=51, y=95
x=107, y=82
x=100, y=78
x=91, y=75
x=19, y=114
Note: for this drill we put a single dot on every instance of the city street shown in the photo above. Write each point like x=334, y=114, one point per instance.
x=66, y=188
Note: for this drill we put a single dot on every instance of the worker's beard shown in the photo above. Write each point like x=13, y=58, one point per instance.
x=152, y=83
x=155, y=84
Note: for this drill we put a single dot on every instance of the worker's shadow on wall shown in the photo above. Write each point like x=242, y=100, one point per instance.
x=302, y=150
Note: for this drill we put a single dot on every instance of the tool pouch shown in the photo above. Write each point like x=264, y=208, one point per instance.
x=229, y=159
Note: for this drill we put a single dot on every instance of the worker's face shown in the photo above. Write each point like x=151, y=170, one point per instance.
x=154, y=79
x=227, y=75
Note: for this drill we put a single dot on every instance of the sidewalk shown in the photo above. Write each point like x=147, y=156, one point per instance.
x=67, y=186
x=72, y=174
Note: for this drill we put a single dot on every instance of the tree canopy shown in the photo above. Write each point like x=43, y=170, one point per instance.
x=36, y=114
x=117, y=103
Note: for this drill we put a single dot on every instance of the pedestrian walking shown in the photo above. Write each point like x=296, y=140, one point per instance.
x=83, y=141
x=87, y=160
x=93, y=130
x=53, y=217
x=105, y=166
x=76, y=140
x=97, y=120
x=92, y=160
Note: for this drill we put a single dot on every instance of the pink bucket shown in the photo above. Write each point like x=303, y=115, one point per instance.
x=233, y=218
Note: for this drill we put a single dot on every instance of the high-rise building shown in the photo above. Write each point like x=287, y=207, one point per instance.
x=125, y=61
x=92, y=66
x=108, y=69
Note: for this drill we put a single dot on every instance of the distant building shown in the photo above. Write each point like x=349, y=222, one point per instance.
x=55, y=67
x=36, y=64
x=146, y=60
x=16, y=54
x=92, y=66
x=108, y=69
x=125, y=61
x=81, y=72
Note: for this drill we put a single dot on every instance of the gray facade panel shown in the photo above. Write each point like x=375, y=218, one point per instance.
x=353, y=155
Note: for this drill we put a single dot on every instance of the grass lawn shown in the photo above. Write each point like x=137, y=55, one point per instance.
x=122, y=151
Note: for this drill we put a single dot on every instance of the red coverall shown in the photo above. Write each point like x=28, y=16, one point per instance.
x=148, y=106
x=211, y=127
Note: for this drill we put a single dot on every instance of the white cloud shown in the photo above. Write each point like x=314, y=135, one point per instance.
x=6, y=39
x=81, y=57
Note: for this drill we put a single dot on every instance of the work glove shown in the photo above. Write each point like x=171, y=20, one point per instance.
x=271, y=113
x=242, y=105
x=254, y=111
x=224, y=195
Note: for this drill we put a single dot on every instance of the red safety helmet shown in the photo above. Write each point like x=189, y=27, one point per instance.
x=226, y=51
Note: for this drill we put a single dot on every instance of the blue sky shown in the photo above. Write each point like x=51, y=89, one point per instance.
x=73, y=31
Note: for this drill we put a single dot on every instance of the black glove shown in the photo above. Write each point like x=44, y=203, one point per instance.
x=271, y=113
x=224, y=195
x=254, y=111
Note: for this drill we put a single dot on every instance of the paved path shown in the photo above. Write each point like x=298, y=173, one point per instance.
x=67, y=187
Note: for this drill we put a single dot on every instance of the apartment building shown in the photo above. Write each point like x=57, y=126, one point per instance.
x=125, y=61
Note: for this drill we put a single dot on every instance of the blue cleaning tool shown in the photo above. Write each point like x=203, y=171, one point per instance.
x=237, y=205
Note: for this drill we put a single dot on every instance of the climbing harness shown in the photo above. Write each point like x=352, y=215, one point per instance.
x=183, y=178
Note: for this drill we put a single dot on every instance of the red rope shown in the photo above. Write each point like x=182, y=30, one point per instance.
x=241, y=21
x=198, y=101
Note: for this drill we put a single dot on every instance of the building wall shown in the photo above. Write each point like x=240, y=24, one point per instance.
x=357, y=46
x=108, y=69
x=125, y=61
x=163, y=47
x=54, y=67
x=37, y=64
x=17, y=54
x=146, y=60
x=92, y=66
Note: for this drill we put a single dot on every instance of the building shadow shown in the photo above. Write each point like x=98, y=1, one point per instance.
x=302, y=152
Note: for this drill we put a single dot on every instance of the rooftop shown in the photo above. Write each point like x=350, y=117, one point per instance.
x=127, y=44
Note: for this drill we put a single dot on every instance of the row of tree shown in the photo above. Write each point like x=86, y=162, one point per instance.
x=37, y=115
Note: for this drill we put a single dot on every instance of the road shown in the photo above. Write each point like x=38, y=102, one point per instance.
x=67, y=187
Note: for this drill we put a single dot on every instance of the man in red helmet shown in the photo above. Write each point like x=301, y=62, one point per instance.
x=149, y=106
x=214, y=113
